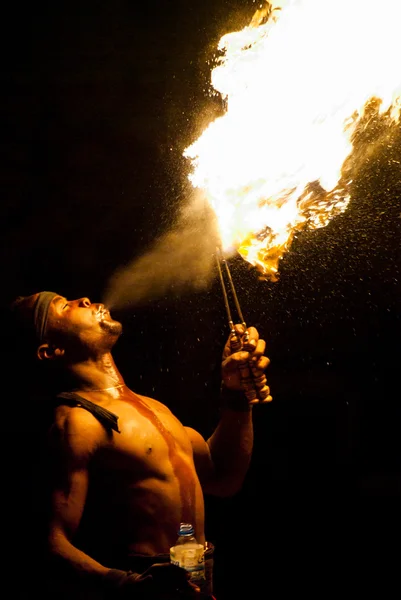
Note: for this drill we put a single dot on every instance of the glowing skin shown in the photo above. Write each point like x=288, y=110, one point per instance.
x=119, y=493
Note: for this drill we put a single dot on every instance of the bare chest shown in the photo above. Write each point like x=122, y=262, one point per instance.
x=151, y=441
x=146, y=472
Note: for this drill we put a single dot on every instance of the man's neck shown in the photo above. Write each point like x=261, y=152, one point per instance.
x=96, y=376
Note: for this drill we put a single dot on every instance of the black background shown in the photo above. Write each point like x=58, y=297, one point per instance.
x=99, y=101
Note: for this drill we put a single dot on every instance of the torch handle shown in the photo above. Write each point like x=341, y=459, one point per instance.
x=253, y=380
x=258, y=377
x=247, y=382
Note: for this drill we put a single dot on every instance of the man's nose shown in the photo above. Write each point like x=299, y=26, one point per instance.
x=84, y=302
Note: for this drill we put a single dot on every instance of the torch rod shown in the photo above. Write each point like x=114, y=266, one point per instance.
x=234, y=293
x=224, y=290
x=220, y=259
x=235, y=341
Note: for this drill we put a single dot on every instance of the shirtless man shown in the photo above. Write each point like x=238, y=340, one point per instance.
x=125, y=471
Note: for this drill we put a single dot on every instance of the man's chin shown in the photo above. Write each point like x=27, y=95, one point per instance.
x=113, y=328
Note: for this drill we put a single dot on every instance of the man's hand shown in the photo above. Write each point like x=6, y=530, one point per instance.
x=235, y=363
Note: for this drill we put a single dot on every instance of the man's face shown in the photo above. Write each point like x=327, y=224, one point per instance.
x=81, y=320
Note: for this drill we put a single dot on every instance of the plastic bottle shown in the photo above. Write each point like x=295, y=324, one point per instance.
x=188, y=554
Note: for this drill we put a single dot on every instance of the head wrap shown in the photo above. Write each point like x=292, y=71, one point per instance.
x=41, y=312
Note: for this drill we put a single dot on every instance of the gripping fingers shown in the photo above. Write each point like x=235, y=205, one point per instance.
x=261, y=363
x=247, y=351
x=260, y=348
x=258, y=364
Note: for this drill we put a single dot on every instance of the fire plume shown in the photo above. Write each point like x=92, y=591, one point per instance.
x=295, y=84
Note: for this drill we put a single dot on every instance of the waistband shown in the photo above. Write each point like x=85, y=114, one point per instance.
x=138, y=563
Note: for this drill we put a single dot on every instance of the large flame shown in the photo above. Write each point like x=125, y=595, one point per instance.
x=295, y=83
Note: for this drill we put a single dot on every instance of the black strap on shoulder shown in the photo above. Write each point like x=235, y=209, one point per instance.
x=106, y=418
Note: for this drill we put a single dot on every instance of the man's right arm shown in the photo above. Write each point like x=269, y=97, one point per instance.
x=73, y=443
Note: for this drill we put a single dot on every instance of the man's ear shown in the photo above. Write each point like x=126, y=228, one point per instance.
x=49, y=352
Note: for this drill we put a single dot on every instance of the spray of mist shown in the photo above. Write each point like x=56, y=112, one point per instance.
x=180, y=261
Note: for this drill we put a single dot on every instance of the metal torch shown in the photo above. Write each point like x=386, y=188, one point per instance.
x=252, y=378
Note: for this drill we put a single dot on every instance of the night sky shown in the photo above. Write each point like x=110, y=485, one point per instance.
x=99, y=101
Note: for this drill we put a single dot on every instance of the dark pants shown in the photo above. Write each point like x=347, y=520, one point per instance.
x=138, y=563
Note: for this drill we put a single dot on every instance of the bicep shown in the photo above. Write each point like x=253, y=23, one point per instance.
x=202, y=458
x=69, y=479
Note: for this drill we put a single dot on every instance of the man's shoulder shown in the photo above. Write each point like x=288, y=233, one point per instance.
x=77, y=427
x=74, y=438
x=108, y=419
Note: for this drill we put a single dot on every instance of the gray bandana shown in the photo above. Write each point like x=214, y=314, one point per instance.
x=41, y=312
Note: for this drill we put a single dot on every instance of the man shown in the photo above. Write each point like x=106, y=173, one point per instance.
x=124, y=471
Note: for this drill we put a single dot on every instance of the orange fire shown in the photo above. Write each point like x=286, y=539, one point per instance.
x=295, y=83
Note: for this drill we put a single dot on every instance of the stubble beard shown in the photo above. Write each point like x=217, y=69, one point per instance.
x=113, y=328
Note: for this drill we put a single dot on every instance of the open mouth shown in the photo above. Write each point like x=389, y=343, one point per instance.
x=102, y=311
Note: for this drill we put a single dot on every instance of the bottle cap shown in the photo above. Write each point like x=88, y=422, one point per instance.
x=186, y=529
